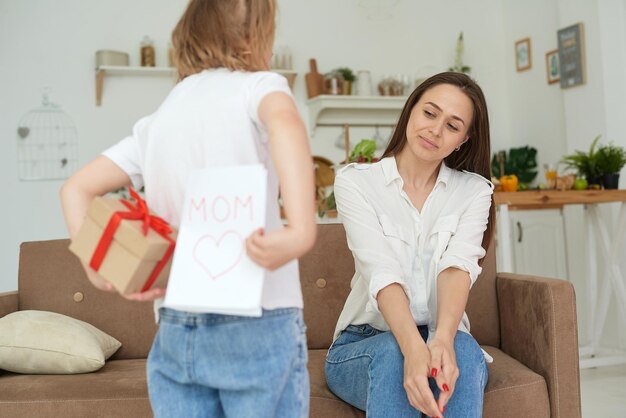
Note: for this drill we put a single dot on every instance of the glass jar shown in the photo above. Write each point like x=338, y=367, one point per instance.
x=333, y=83
x=147, y=52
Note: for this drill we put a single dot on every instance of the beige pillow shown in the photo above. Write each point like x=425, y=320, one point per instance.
x=39, y=342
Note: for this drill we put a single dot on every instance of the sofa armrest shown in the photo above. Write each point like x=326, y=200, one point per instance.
x=538, y=328
x=8, y=303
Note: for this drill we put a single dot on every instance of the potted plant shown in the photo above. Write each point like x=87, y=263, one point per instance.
x=586, y=163
x=459, y=67
x=609, y=160
x=348, y=79
x=328, y=207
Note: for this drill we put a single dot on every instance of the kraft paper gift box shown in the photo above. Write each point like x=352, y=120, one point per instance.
x=133, y=248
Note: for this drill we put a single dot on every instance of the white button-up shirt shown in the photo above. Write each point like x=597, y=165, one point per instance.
x=393, y=242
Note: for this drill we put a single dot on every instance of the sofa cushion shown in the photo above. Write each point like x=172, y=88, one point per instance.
x=325, y=281
x=42, y=342
x=510, y=383
x=514, y=390
x=323, y=402
x=51, y=278
x=116, y=390
x=482, y=304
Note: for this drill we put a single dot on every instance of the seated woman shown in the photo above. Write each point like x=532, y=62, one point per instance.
x=418, y=223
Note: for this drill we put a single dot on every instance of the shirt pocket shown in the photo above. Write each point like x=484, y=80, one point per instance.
x=393, y=231
x=443, y=229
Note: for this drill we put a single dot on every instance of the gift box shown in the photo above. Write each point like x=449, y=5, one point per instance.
x=126, y=244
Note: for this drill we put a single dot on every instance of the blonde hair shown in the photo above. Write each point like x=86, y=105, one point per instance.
x=236, y=34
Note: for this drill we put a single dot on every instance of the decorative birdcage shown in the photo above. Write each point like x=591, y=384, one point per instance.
x=47, y=143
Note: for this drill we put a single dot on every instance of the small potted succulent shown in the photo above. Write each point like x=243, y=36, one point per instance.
x=348, y=79
x=610, y=159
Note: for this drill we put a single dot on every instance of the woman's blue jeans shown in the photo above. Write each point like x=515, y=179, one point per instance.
x=365, y=368
x=208, y=365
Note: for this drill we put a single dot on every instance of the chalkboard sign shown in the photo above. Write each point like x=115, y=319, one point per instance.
x=572, y=55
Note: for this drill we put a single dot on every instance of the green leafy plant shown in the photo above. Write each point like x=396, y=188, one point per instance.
x=610, y=159
x=459, y=67
x=363, y=151
x=521, y=162
x=330, y=201
x=346, y=73
x=586, y=163
x=327, y=205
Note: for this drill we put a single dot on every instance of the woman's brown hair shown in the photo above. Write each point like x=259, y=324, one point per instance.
x=235, y=34
x=475, y=153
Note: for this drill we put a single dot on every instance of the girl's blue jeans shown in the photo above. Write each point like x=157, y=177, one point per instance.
x=365, y=368
x=208, y=365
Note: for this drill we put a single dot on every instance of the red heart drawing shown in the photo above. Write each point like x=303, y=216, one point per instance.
x=218, y=256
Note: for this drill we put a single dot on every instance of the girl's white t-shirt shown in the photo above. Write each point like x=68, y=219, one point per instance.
x=209, y=119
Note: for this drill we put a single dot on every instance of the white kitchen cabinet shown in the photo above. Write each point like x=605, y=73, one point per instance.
x=539, y=244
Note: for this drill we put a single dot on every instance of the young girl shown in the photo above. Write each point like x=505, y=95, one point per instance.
x=226, y=110
x=417, y=223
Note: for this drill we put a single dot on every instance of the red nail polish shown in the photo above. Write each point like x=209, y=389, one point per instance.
x=446, y=388
x=433, y=372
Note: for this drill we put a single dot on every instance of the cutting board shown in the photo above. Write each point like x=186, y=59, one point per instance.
x=314, y=80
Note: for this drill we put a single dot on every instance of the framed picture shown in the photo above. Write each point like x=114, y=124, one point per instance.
x=552, y=66
x=572, y=55
x=522, y=55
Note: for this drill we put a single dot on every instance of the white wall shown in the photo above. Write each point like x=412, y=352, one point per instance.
x=419, y=39
x=536, y=111
x=53, y=44
x=44, y=43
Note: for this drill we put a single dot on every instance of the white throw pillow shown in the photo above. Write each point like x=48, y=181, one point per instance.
x=40, y=342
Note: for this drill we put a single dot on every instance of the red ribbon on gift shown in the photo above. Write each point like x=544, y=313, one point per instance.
x=139, y=212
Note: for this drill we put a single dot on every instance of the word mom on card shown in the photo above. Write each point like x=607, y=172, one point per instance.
x=218, y=255
x=211, y=271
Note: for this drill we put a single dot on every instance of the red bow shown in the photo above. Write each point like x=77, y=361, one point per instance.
x=142, y=213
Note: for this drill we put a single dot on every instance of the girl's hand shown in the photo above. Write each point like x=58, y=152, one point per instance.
x=416, y=373
x=148, y=295
x=97, y=280
x=274, y=249
x=102, y=284
x=443, y=368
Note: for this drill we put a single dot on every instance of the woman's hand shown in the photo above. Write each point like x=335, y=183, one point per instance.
x=416, y=372
x=443, y=368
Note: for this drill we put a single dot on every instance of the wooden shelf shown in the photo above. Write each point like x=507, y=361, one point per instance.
x=534, y=199
x=119, y=70
x=330, y=110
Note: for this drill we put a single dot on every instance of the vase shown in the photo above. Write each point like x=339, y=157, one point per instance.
x=610, y=181
x=364, y=83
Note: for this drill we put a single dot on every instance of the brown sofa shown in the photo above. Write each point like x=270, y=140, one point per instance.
x=527, y=324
